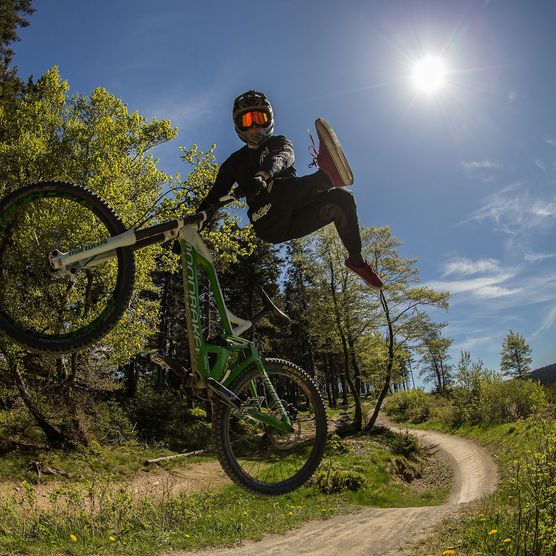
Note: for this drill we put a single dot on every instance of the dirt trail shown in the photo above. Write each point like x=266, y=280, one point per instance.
x=379, y=531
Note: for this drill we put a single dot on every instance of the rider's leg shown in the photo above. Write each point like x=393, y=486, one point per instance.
x=293, y=193
x=333, y=205
x=337, y=206
x=307, y=209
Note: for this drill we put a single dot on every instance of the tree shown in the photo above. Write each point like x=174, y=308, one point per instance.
x=399, y=311
x=94, y=141
x=434, y=356
x=12, y=16
x=340, y=312
x=515, y=356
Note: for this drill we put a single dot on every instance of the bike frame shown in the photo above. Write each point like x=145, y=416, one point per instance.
x=208, y=360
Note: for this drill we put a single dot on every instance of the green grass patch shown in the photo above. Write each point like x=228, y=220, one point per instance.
x=99, y=515
x=520, y=517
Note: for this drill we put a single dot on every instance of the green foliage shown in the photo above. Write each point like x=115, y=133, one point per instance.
x=112, y=423
x=519, y=518
x=493, y=401
x=532, y=489
x=164, y=416
x=405, y=444
x=485, y=400
x=13, y=14
x=411, y=405
x=515, y=356
x=338, y=480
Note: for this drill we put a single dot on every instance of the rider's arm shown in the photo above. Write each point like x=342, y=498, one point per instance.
x=224, y=181
x=280, y=156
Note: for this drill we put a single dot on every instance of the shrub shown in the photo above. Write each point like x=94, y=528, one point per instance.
x=338, y=480
x=404, y=444
x=412, y=405
x=532, y=486
x=165, y=416
x=503, y=402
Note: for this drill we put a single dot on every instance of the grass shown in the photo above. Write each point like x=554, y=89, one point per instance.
x=97, y=514
x=517, y=519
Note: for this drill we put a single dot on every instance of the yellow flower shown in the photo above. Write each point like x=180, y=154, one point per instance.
x=449, y=551
x=112, y=539
x=73, y=538
x=187, y=536
x=493, y=532
x=290, y=513
x=507, y=539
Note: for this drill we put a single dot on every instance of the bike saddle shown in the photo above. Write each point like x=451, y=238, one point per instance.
x=269, y=307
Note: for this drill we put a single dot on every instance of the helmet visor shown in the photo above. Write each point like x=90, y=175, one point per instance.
x=254, y=117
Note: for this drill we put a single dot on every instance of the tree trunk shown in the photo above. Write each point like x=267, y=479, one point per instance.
x=55, y=438
x=390, y=365
x=358, y=415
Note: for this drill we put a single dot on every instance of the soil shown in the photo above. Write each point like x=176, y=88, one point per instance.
x=384, y=531
x=155, y=484
x=369, y=532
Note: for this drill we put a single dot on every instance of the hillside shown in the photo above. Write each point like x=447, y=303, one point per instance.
x=545, y=375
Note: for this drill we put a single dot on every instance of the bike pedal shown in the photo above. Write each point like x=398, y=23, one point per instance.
x=225, y=394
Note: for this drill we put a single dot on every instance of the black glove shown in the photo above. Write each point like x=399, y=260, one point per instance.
x=253, y=187
x=237, y=193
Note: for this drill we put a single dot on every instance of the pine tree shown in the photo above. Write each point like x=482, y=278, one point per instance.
x=515, y=356
x=12, y=16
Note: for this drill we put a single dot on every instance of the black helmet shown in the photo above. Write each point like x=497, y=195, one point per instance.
x=248, y=102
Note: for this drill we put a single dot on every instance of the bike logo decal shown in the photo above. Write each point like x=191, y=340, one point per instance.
x=263, y=211
x=192, y=299
x=87, y=247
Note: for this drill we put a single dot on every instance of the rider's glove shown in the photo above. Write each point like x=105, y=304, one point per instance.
x=237, y=193
x=253, y=187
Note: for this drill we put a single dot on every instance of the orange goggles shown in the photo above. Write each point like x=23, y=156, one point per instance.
x=249, y=119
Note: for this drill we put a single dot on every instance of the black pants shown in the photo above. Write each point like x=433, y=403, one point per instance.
x=297, y=207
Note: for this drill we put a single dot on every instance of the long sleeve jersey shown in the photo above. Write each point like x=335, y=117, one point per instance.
x=275, y=156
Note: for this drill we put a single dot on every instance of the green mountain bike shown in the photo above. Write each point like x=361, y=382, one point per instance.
x=66, y=277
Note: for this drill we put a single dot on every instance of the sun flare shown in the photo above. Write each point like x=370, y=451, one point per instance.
x=429, y=74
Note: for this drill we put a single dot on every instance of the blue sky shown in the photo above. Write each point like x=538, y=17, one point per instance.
x=465, y=177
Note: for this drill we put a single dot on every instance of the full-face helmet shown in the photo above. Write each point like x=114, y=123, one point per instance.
x=253, y=109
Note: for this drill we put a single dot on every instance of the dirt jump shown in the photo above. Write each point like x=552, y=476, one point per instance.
x=384, y=531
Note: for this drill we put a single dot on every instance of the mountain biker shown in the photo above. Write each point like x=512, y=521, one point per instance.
x=283, y=206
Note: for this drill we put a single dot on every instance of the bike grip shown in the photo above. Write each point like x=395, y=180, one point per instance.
x=195, y=218
x=226, y=199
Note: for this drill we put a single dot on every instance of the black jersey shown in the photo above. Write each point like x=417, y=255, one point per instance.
x=275, y=156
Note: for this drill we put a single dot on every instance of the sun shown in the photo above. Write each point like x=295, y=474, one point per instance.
x=429, y=74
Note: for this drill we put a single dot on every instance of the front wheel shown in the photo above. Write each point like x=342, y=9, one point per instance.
x=43, y=311
x=259, y=457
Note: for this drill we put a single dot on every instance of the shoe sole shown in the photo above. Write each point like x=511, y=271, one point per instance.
x=332, y=143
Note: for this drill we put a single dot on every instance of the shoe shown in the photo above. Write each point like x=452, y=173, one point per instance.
x=330, y=157
x=366, y=272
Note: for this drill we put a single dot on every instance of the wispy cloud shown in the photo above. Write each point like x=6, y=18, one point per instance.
x=483, y=170
x=482, y=287
x=532, y=257
x=548, y=321
x=480, y=165
x=182, y=111
x=514, y=209
x=465, y=267
x=540, y=164
x=512, y=97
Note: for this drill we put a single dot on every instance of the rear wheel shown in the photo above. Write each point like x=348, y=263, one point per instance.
x=259, y=457
x=52, y=313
